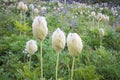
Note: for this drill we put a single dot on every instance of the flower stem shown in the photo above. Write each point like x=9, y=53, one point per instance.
x=98, y=24
x=57, y=65
x=100, y=41
x=65, y=2
x=24, y=57
x=24, y=22
x=72, y=68
x=41, y=62
x=21, y=20
x=30, y=61
x=32, y=14
x=93, y=23
x=24, y=17
x=21, y=17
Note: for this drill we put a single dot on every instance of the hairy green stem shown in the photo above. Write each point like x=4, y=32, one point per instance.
x=24, y=17
x=98, y=24
x=21, y=20
x=72, y=68
x=24, y=57
x=41, y=62
x=68, y=67
x=57, y=65
x=100, y=41
x=24, y=23
x=21, y=17
x=30, y=61
x=65, y=2
x=93, y=23
x=32, y=14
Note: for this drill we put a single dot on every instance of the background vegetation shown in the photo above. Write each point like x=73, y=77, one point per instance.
x=94, y=63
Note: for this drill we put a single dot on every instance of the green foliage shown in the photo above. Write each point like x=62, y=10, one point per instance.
x=86, y=73
x=4, y=44
x=94, y=63
x=22, y=27
x=107, y=64
x=93, y=38
x=8, y=43
x=53, y=21
x=112, y=40
x=28, y=74
x=10, y=64
x=6, y=24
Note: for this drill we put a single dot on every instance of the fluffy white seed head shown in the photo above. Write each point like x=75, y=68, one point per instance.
x=74, y=44
x=58, y=40
x=59, y=4
x=43, y=9
x=36, y=11
x=25, y=8
x=93, y=13
x=101, y=32
x=99, y=16
x=31, y=6
x=103, y=17
x=21, y=5
x=39, y=27
x=81, y=13
x=31, y=47
x=107, y=18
